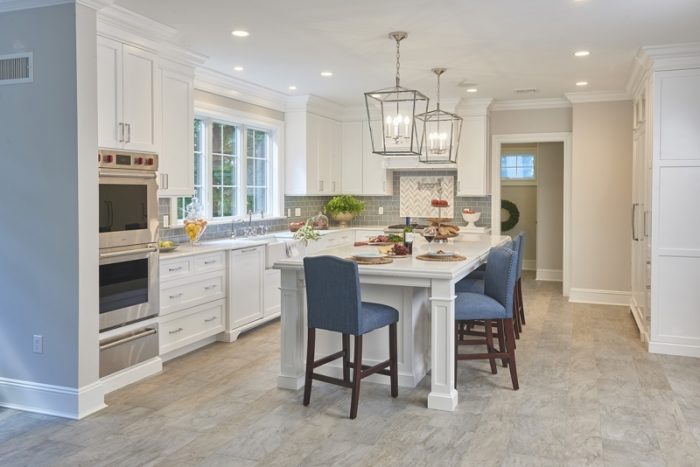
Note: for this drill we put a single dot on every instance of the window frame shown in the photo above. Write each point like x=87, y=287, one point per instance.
x=209, y=114
x=512, y=151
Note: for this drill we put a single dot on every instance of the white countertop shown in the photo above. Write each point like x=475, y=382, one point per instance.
x=475, y=247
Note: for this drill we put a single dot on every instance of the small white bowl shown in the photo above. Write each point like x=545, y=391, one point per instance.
x=471, y=219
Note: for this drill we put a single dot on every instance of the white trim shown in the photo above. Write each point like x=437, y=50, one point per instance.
x=530, y=104
x=599, y=96
x=61, y=401
x=682, y=350
x=496, y=142
x=188, y=348
x=551, y=275
x=134, y=23
x=219, y=83
x=315, y=105
x=600, y=297
x=529, y=264
x=474, y=107
x=637, y=315
x=131, y=375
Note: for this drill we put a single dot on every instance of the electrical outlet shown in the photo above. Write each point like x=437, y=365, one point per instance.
x=381, y=210
x=297, y=211
x=38, y=343
x=289, y=212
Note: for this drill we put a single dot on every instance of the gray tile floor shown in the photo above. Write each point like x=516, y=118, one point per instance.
x=589, y=395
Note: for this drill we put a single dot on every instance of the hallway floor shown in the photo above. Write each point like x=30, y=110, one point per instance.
x=589, y=394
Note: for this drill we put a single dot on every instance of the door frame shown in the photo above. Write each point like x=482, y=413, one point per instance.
x=563, y=137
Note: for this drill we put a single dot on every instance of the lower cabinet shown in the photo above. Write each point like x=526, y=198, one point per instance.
x=272, y=297
x=191, y=325
x=246, y=269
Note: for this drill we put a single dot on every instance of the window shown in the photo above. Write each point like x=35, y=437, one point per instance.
x=518, y=167
x=227, y=184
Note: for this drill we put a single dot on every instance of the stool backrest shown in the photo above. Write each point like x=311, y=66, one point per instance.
x=500, y=276
x=520, y=250
x=332, y=294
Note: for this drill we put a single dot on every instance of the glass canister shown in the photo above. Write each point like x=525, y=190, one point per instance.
x=319, y=222
x=195, y=223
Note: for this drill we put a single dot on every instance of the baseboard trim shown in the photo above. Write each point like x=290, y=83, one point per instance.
x=599, y=297
x=189, y=348
x=637, y=315
x=681, y=350
x=529, y=265
x=552, y=275
x=48, y=399
x=132, y=374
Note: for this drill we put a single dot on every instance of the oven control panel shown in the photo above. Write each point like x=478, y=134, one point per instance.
x=127, y=160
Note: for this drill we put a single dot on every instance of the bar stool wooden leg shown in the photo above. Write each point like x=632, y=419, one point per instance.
x=357, y=377
x=310, y=350
x=520, y=300
x=501, y=341
x=393, y=359
x=489, y=345
x=346, y=358
x=510, y=343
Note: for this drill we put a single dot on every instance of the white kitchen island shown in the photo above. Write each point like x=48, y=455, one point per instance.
x=422, y=291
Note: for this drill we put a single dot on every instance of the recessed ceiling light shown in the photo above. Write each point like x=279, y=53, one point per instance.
x=582, y=53
x=240, y=33
x=326, y=73
x=472, y=90
x=292, y=88
x=376, y=96
x=238, y=68
x=582, y=83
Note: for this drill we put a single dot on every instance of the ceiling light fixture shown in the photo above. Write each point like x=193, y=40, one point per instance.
x=240, y=33
x=582, y=83
x=391, y=114
x=238, y=68
x=326, y=74
x=443, y=130
x=292, y=88
x=470, y=90
x=581, y=53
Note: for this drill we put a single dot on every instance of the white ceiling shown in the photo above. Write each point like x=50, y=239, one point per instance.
x=499, y=44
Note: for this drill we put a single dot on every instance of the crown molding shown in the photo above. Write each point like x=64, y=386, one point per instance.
x=474, y=106
x=181, y=55
x=641, y=66
x=531, y=104
x=18, y=5
x=673, y=56
x=115, y=20
x=95, y=4
x=316, y=105
x=602, y=96
x=216, y=82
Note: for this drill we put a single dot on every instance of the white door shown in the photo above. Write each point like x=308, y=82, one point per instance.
x=176, y=154
x=139, y=98
x=245, y=286
x=109, y=96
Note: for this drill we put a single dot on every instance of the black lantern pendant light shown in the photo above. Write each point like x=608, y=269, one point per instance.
x=442, y=131
x=391, y=114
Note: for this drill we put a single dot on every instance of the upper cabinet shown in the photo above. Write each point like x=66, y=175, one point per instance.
x=312, y=151
x=176, y=164
x=126, y=96
x=473, y=161
x=364, y=173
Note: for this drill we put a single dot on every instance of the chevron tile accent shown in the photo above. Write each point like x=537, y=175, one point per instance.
x=417, y=192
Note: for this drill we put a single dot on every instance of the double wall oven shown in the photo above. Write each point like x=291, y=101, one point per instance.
x=128, y=229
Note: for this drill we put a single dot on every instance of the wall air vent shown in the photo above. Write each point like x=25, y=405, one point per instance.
x=526, y=91
x=16, y=68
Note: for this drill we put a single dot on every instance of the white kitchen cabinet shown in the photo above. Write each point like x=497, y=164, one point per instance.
x=176, y=163
x=189, y=326
x=126, y=96
x=473, y=159
x=376, y=179
x=364, y=172
x=272, y=297
x=246, y=270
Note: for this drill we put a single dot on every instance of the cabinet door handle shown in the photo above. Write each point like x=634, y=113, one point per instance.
x=177, y=295
x=634, y=222
x=209, y=320
x=175, y=269
x=209, y=287
x=646, y=222
x=248, y=250
x=128, y=132
x=121, y=132
x=210, y=262
x=175, y=331
x=164, y=181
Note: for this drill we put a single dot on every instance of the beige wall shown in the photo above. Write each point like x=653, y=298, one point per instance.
x=506, y=122
x=550, y=205
x=601, y=195
x=223, y=101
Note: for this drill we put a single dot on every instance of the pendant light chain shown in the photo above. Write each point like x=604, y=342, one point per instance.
x=398, y=62
x=438, y=92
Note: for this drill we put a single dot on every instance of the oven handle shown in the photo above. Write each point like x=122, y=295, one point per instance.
x=126, y=174
x=135, y=251
x=145, y=333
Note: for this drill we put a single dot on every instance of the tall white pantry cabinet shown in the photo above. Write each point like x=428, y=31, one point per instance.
x=666, y=188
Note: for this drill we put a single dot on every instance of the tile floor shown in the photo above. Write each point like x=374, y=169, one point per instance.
x=589, y=395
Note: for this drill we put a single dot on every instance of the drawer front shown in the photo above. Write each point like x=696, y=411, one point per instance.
x=175, y=268
x=192, y=325
x=211, y=262
x=189, y=292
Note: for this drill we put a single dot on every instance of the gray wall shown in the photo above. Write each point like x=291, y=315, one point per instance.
x=550, y=206
x=44, y=188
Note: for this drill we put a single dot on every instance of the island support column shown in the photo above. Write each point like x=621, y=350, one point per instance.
x=443, y=395
x=293, y=330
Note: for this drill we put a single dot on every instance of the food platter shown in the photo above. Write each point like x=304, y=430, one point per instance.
x=440, y=254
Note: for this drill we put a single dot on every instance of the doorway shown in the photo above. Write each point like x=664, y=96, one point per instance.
x=540, y=199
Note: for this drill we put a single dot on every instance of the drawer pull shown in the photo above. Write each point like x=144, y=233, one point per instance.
x=177, y=295
x=248, y=250
x=209, y=320
x=210, y=262
x=179, y=268
x=175, y=331
x=209, y=287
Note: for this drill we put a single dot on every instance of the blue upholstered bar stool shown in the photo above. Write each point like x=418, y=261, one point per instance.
x=495, y=304
x=334, y=304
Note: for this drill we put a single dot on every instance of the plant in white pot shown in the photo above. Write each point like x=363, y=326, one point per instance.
x=344, y=207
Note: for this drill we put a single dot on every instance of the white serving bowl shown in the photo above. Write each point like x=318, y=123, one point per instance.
x=470, y=219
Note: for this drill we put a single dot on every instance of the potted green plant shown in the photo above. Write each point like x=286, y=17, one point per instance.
x=344, y=207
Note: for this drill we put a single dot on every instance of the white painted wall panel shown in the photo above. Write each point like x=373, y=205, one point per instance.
x=678, y=221
x=678, y=300
x=679, y=111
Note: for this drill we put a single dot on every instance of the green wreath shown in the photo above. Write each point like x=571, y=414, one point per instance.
x=513, y=218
